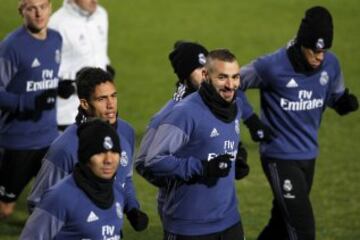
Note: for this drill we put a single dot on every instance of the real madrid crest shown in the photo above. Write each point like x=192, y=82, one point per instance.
x=57, y=56
x=237, y=127
x=119, y=211
x=108, y=143
x=287, y=185
x=324, y=78
x=124, y=159
x=320, y=43
x=202, y=58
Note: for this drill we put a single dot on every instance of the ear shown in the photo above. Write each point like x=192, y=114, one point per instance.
x=84, y=104
x=50, y=6
x=21, y=6
x=205, y=74
x=20, y=11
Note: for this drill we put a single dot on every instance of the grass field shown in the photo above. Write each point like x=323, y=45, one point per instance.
x=142, y=33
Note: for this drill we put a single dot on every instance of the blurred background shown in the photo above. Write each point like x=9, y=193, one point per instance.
x=142, y=34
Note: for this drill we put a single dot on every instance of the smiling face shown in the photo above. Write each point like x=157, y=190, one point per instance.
x=36, y=15
x=103, y=102
x=104, y=165
x=224, y=76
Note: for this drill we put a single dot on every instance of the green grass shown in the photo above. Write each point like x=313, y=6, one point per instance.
x=142, y=33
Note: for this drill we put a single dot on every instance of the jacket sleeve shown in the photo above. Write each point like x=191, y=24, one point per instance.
x=41, y=225
x=337, y=87
x=250, y=77
x=244, y=106
x=57, y=163
x=8, y=68
x=161, y=159
x=48, y=176
x=140, y=160
x=130, y=195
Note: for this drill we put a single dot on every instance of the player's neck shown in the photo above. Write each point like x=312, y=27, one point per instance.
x=40, y=35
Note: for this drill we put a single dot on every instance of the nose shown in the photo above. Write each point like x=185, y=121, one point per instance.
x=230, y=83
x=110, y=103
x=37, y=12
x=109, y=157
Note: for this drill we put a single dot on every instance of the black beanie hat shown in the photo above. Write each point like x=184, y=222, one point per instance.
x=316, y=29
x=96, y=136
x=186, y=57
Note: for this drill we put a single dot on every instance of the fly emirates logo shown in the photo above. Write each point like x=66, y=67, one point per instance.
x=48, y=82
x=108, y=233
x=306, y=102
x=229, y=148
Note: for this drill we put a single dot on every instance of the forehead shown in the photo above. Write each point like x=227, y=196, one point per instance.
x=219, y=66
x=83, y=2
x=105, y=88
x=27, y=3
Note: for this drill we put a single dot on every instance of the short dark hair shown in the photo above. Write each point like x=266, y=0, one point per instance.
x=88, y=78
x=221, y=54
x=21, y=5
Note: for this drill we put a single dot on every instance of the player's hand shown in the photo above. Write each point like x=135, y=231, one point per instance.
x=346, y=103
x=242, y=169
x=138, y=219
x=46, y=100
x=66, y=88
x=217, y=167
x=258, y=130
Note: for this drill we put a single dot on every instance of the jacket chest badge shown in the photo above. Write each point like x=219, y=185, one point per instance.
x=324, y=78
x=124, y=159
x=237, y=127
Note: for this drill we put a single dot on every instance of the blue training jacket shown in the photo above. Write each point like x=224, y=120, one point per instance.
x=186, y=136
x=62, y=157
x=292, y=103
x=28, y=67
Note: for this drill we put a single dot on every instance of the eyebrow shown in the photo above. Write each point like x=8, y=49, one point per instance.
x=105, y=96
x=229, y=75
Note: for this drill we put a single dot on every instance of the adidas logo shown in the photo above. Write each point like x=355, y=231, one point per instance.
x=292, y=84
x=92, y=217
x=214, y=133
x=35, y=63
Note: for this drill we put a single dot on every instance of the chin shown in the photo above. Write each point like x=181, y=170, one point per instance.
x=112, y=120
x=107, y=176
x=228, y=99
x=316, y=67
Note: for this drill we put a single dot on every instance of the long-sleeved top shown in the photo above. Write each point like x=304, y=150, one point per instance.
x=85, y=43
x=186, y=136
x=292, y=103
x=65, y=212
x=28, y=68
x=244, y=108
x=61, y=158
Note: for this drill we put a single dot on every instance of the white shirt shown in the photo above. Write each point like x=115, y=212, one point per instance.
x=85, y=40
